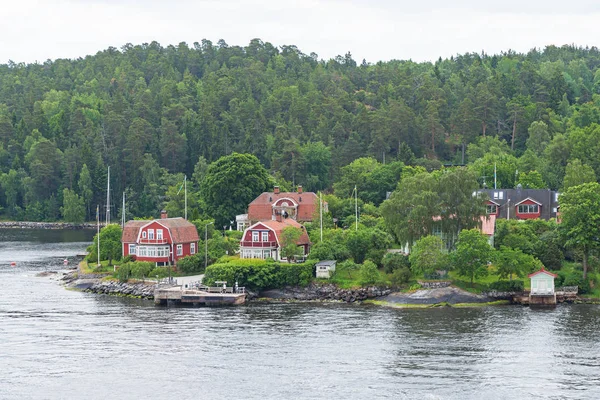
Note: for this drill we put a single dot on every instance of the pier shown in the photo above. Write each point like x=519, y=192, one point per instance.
x=197, y=295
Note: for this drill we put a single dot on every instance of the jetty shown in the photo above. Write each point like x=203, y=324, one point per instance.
x=200, y=295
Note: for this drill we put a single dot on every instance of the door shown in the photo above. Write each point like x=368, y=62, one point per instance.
x=543, y=286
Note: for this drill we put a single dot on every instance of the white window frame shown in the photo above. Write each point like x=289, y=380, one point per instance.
x=150, y=234
x=143, y=234
x=491, y=208
x=265, y=236
x=159, y=234
x=528, y=209
x=132, y=249
x=255, y=236
x=179, y=249
x=192, y=248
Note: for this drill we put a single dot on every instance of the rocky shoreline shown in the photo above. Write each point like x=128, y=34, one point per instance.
x=45, y=225
x=94, y=283
x=324, y=292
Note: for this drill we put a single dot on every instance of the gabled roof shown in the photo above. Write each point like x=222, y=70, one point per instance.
x=278, y=226
x=493, y=202
x=261, y=208
x=530, y=199
x=182, y=231
x=542, y=271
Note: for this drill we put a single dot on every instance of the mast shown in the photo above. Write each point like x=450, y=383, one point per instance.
x=321, y=213
x=108, y=198
x=123, y=213
x=356, y=206
x=98, y=227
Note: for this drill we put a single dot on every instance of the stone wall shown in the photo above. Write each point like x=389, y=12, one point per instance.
x=45, y=225
x=434, y=284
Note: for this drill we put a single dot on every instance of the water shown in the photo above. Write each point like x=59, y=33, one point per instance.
x=61, y=344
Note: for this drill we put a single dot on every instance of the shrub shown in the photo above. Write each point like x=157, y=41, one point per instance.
x=575, y=278
x=128, y=258
x=260, y=274
x=507, y=286
x=369, y=274
x=123, y=273
x=191, y=264
x=393, y=261
x=400, y=276
x=159, y=272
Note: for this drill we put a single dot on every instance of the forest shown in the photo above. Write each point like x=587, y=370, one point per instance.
x=155, y=114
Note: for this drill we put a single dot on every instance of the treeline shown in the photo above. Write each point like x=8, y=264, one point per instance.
x=154, y=114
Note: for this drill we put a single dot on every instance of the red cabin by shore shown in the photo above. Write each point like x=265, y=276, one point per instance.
x=528, y=209
x=161, y=241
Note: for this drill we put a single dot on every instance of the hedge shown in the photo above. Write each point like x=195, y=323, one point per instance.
x=259, y=275
x=507, y=286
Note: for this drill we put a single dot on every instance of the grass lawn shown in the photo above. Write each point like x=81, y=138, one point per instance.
x=93, y=269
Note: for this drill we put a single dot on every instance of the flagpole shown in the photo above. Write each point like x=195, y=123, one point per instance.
x=356, y=205
x=98, y=227
x=108, y=198
x=185, y=194
x=321, y=213
x=495, y=176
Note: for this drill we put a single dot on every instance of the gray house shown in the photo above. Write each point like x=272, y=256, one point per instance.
x=522, y=203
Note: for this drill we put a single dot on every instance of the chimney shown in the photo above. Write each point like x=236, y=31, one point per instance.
x=276, y=190
x=300, y=189
x=163, y=214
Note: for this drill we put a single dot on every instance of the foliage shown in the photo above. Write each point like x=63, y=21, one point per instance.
x=580, y=225
x=400, y=276
x=393, y=261
x=110, y=244
x=428, y=256
x=230, y=184
x=191, y=264
x=472, y=254
x=578, y=173
x=369, y=274
x=507, y=286
x=289, y=239
x=73, y=209
x=511, y=262
x=260, y=274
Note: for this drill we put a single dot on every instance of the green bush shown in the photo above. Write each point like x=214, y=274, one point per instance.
x=393, y=261
x=140, y=269
x=260, y=274
x=159, y=272
x=575, y=278
x=400, y=276
x=507, y=286
x=123, y=273
x=191, y=264
x=128, y=258
x=369, y=274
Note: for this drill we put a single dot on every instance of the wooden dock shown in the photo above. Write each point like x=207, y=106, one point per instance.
x=201, y=296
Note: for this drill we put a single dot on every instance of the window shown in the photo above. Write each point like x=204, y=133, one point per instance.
x=556, y=197
x=143, y=234
x=255, y=236
x=151, y=234
x=265, y=236
x=192, y=248
x=159, y=235
x=179, y=249
x=132, y=249
x=554, y=210
x=491, y=209
x=528, y=209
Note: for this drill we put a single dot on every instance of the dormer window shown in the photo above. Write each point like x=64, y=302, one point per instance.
x=491, y=209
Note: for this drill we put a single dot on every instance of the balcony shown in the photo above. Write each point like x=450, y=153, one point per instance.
x=249, y=243
x=153, y=241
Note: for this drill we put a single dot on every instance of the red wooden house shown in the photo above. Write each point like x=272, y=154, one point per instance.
x=528, y=209
x=263, y=239
x=163, y=241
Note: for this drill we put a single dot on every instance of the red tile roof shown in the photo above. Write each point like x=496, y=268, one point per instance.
x=542, y=271
x=278, y=227
x=261, y=207
x=182, y=231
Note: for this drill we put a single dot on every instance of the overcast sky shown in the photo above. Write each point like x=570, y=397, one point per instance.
x=37, y=30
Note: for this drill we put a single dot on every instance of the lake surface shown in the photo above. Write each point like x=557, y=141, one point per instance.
x=62, y=344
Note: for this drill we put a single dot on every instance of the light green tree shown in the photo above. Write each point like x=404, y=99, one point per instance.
x=511, y=262
x=472, y=254
x=580, y=219
x=429, y=255
x=289, y=243
x=110, y=244
x=578, y=173
x=85, y=188
x=73, y=209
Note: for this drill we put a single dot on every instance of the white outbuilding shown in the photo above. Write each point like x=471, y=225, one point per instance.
x=325, y=269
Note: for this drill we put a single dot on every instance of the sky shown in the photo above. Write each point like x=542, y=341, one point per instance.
x=375, y=30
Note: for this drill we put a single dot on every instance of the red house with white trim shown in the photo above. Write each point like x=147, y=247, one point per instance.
x=263, y=239
x=528, y=209
x=162, y=241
